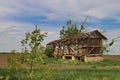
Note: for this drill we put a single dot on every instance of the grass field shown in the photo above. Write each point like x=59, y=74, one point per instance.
x=59, y=69
x=71, y=74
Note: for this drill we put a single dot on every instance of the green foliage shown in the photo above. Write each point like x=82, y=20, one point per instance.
x=71, y=30
x=13, y=63
x=31, y=56
x=66, y=74
x=49, y=52
x=15, y=67
x=33, y=41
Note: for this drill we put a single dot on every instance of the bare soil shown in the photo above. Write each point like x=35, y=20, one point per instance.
x=112, y=57
x=4, y=59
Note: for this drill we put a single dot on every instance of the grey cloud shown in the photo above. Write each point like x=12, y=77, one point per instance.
x=59, y=9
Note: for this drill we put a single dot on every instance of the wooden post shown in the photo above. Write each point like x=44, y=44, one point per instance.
x=69, y=52
x=63, y=57
x=63, y=49
x=87, y=46
x=73, y=57
x=77, y=46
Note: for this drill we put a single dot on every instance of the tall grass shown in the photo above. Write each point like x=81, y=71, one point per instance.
x=73, y=74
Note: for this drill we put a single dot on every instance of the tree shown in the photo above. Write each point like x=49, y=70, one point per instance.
x=72, y=29
x=32, y=42
x=49, y=51
x=31, y=55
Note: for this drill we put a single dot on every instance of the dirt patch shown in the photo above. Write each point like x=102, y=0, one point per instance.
x=69, y=67
x=112, y=57
x=66, y=67
x=4, y=59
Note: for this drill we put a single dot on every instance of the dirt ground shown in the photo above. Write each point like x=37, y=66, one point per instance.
x=112, y=57
x=4, y=58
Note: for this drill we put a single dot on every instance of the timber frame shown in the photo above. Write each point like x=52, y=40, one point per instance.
x=79, y=46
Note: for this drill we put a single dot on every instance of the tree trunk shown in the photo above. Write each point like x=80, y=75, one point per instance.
x=31, y=66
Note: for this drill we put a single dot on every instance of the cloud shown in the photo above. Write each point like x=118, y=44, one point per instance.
x=60, y=9
x=114, y=33
x=13, y=32
x=77, y=9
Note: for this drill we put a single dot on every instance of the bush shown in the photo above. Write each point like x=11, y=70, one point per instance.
x=49, y=52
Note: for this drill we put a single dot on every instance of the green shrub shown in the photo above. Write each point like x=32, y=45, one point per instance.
x=49, y=52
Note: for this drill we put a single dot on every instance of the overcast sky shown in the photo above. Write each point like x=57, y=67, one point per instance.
x=19, y=16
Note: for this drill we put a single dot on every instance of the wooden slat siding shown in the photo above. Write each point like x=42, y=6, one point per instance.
x=87, y=42
x=78, y=46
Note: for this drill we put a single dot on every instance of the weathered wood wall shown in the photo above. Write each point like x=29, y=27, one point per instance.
x=79, y=45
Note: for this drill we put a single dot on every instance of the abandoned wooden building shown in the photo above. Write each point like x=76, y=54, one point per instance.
x=85, y=47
